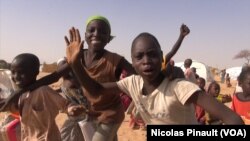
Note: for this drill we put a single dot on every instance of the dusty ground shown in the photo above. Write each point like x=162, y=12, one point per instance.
x=125, y=133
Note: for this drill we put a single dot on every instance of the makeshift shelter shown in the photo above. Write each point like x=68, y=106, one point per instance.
x=201, y=69
x=234, y=72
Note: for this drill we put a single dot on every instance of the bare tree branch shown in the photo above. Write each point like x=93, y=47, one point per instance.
x=243, y=54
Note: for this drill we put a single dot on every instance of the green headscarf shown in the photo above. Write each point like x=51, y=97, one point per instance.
x=98, y=17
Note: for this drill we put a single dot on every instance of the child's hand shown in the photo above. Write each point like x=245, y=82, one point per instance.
x=74, y=46
x=184, y=30
x=76, y=110
x=226, y=98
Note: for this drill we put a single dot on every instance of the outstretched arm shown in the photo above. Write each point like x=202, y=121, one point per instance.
x=125, y=65
x=46, y=80
x=184, y=30
x=215, y=108
x=74, y=56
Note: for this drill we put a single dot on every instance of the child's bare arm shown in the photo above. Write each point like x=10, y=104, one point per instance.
x=215, y=108
x=184, y=30
x=74, y=57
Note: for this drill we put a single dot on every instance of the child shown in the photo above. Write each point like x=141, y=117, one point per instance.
x=241, y=100
x=199, y=111
x=195, y=73
x=168, y=69
x=189, y=74
x=237, y=87
x=228, y=80
x=38, y=108
x=214, y=91
x=222, y=75
x=106, y=110
x=201, y=83
x=164, y=101
x=71, y=90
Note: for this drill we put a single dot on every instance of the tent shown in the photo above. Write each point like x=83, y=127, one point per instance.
x=201, y=69
x=234, y=72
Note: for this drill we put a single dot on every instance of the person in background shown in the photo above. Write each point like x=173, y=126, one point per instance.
x=199, y=111
x=238, y=88
x=157, y=99
x=214, y=91
x=189, y=74
x=222, y=75
x=195, y=73
x=228, y=82
x=71, y=90
x=241, y=100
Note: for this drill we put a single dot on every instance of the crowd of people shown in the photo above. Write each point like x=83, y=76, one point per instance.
x=99, y=85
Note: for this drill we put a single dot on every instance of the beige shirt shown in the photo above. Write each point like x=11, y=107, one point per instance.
x=166, y=104
x=39, y=110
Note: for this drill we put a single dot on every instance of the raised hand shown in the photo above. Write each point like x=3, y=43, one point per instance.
x=74, y=46
x=184, y=30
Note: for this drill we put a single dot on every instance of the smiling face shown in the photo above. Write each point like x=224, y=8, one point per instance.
x=24, y=70
x=97, y=34
x=146, y=56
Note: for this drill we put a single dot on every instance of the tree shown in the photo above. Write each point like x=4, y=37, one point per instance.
x=243, y=54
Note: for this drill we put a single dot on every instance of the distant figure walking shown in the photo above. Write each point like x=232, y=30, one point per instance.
x=222, y=75
x=228, y=83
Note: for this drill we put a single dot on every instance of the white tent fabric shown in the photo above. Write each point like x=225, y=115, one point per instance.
x=201, y=69
x=234, y=72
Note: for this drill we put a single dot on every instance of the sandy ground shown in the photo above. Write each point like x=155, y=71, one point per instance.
x=125, y=133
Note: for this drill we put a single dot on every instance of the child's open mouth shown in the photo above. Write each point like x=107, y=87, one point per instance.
x=148, y=71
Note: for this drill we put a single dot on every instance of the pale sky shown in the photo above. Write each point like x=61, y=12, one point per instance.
x=219, y=28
